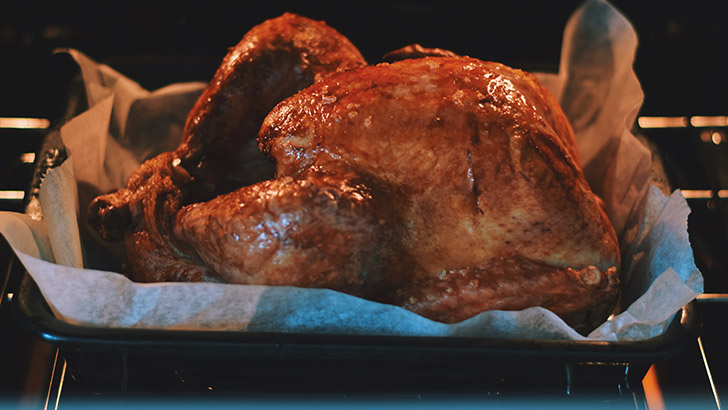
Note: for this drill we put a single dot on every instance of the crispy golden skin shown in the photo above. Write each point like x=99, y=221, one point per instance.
x=443, y=184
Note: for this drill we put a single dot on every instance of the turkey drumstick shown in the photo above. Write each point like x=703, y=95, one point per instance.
x=272, y=61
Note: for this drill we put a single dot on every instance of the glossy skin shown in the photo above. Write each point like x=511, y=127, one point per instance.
x=479, y=160
x=446, y=185
x=415, y=51
x=320, y=231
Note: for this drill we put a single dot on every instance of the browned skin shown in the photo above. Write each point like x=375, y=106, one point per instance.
x=218, y=151
x=314, y=232
x=478, y=155
x=272, y=61
x=416, y=51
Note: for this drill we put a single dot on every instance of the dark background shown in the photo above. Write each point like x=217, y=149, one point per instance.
x=681, y=59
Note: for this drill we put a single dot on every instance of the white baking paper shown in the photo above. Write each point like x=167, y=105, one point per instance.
x=126, y=124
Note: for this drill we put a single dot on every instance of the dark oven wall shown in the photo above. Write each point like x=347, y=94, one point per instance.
x=681, y=60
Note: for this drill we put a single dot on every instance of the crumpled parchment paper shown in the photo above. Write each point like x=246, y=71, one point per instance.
x=126, y=124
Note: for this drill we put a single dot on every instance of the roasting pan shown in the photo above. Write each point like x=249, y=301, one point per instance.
x=116, y=360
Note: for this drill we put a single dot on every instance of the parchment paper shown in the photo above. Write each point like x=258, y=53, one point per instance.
x=126, y=124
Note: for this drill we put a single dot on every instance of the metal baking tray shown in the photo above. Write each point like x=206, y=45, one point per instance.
x=117, y=360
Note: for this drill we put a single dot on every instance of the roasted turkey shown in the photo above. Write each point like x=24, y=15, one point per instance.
x=443, y=184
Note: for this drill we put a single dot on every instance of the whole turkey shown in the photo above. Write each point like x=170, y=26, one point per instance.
x=440, y=183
